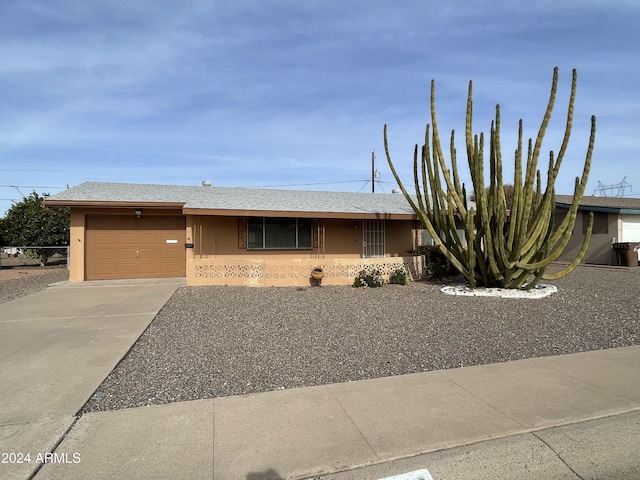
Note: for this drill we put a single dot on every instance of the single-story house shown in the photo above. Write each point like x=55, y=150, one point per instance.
x=236, y=236
x=616, y=220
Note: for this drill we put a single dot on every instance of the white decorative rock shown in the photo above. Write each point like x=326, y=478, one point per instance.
x=539, y=291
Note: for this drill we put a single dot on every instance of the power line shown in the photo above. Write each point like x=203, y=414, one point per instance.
x=27, y=186
x=365, y=184
x=304, y=184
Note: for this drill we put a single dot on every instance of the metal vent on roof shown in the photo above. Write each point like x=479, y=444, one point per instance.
x=206, y=183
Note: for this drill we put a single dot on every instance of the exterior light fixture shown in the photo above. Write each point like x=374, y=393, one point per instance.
x=138, y=212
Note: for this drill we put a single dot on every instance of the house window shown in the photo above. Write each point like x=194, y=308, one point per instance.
x=428, y=240
x=600, y=223
x=373, y=238
x=283, y=233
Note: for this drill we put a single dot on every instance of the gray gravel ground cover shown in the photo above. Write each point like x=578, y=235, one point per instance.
x=218, y=341
x=19, y=285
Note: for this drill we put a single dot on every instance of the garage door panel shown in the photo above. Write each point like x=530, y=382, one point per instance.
x=168, y=238
x=148, y=238
x=126, y=239
x=125, y=254
x=630, y=228
x=126, y=270
x=112, y=223
x=105, y=270
x=148, y=253
x=113, y=270
x=104, y=254
x=113, y=254
x=169, y=253
x=148, y=270
x=105, y=238
x=128, y=247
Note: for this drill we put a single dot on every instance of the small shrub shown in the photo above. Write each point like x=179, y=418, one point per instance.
x=437, y=270
x=369, y=278
x=398, y=277
x=437, y=264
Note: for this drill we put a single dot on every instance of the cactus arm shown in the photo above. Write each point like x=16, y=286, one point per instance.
x=484, y=213
x=454, y=165
x=470, y=233
x=421, y=205
x=438, y=154
x=558, y=248
x=576, y=261
x=532, y=167
x=538, y=275
x=500, y=202
x=532, y=162
x=547, y=115
x=517, y=194
x=521, y=218
x=453, y=239
x=413, y=205
x=569, y=123
x=580, y=187
x=422, y=216
x=425, y=167
x=540, y=229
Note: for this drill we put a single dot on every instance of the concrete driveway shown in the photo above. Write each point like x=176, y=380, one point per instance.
x=56, y=347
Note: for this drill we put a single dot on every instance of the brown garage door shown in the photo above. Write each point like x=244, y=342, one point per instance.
x=130, y=247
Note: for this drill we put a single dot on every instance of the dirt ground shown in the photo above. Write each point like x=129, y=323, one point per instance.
x=9, y=273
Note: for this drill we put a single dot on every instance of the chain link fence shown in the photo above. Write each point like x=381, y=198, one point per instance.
x=21, y=256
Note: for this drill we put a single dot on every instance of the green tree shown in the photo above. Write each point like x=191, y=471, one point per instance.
x=28, y=223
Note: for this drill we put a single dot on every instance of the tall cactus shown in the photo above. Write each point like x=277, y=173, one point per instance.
x=501, y=248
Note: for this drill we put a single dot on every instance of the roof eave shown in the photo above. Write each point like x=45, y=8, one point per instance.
x=299, y=214
x=103, y=204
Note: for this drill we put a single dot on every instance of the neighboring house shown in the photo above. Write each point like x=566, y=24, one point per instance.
x=616, y=220
x=236, y=236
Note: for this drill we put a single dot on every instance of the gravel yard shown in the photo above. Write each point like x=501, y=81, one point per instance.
x=219, y=341
x=18, y=282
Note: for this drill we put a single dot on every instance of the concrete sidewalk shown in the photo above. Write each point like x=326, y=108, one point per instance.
x=56, y=347
x=506, y=420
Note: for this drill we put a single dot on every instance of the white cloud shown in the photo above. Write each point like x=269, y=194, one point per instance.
x=290, y=90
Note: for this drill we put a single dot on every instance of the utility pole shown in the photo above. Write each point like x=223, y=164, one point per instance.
x=373, y=171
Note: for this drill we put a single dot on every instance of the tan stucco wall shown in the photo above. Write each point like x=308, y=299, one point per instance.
x=216, y=249
x=217, y=258
x=402, y=237
x=218, y=236
x=76, y=245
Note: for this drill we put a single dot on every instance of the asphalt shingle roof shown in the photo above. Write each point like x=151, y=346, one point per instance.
x=614, y=203
x=236, y=198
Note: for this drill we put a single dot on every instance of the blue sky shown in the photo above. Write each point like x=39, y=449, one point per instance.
x=296, y=93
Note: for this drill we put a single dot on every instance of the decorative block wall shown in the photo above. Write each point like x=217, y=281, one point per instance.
x=291, y=272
